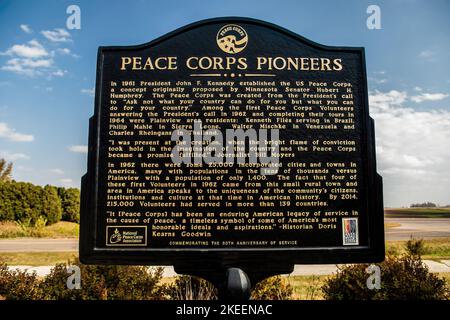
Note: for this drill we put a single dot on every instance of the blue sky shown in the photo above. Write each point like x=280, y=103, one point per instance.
x=47, y=74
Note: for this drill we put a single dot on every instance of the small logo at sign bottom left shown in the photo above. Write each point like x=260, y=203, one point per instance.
x=126, y=235
x=350, y=234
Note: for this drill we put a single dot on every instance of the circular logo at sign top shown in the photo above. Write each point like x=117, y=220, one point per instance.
x=232, y=38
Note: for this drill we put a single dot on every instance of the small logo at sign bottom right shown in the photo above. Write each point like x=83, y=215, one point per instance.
x=350, y=231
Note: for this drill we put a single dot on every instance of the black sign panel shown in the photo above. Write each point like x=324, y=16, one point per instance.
x=231, y=142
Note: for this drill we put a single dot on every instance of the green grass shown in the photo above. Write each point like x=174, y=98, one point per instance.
x=36, y=258
x=307, y=287
x=61, y=229
x=417, y=213
x=304, y=287
x=446, y=276
x=435, y=249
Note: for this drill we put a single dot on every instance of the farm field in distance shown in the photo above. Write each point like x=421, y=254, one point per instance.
x=417, y=212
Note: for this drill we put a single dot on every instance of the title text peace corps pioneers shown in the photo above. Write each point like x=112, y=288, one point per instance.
x=228, y=63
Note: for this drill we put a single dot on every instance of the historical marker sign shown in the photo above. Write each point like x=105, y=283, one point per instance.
x=168, y=181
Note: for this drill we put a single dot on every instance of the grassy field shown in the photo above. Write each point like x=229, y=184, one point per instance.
x=304, y=287
x=417, y=213
x=36, y=258
x=307, y=287
x=435, y=249
x=62, y=229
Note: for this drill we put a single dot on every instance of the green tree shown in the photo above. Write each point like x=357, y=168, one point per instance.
x=6, y=212
x=70, y=200
x=26, y=201
x=51, y=206
x=424, y=205
x=5, y=170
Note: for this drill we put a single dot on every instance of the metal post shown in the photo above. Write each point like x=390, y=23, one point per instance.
x=237, y=286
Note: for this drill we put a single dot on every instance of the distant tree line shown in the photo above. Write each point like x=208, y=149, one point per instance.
x=26, y=202
x=424, y=205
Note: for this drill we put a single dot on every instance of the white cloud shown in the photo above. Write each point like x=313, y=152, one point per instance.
x=27, y=67
x=377, y=80
x=12, y=156
x=78, y=148
x=26, y=28
x=57, y=171
x=412, y=150
x=41, y=63
x=65, y=52
x=378, y=77
x=89, y=92
x=27, y=59
x=57, y=35
x=11, y=134
x=66, y=181
x=59, y=73
x=418, y=88
x=387, y=99
x=32, y=59
x=429, y=97
x=426, y=54
x=31, y=50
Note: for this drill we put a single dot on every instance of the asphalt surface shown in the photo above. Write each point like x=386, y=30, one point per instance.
x=426, y=228
x=38, y=245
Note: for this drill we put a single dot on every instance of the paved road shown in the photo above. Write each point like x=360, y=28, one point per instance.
x=426, y=228
x=36, y=245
